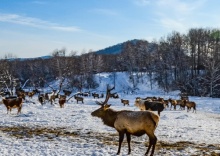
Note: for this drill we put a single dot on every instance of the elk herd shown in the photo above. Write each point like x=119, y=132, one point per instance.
x=125, y=122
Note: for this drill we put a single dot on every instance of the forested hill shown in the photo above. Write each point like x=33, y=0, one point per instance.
x=115, y=49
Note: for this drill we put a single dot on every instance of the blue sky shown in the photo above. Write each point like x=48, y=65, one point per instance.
x=33, y=28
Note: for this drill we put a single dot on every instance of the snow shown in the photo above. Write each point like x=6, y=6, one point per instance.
x=51, y=130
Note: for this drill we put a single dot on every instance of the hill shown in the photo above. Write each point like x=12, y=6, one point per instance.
x=115, y=49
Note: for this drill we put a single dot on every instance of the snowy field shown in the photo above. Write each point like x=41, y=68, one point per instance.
x=54, y=131
x=71, y=131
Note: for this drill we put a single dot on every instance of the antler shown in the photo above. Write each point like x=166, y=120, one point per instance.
x=99, y=103
x=107, y=96
x=108, y=93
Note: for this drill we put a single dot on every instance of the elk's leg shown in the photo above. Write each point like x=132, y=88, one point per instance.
x=121, y=137
x=149, y=146
x=129, y=141
x=152, y=142
x=194, y=109
x=158, y=112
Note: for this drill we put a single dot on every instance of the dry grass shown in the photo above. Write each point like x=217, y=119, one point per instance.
x=21, y=132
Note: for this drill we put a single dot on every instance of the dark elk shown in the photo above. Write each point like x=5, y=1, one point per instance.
x=95, y=95
x=114, y=95
x=67, y=92
x=150, y=105
x=128, y=122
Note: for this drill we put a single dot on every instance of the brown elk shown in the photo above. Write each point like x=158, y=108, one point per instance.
x=125, y=102
x=62, y=100
x=13, y=103
x=51, y=96
x=31, y=94
x=128, y=122
x=78, y=98
x=20, y=94
x=189, y=105
x=181, y=103
x=172, y=103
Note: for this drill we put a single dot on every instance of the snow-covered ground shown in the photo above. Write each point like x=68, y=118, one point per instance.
x=54, y=131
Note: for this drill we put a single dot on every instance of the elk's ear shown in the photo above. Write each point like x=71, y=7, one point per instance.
x=106, y=106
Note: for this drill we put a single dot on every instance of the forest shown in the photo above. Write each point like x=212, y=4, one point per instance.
x=187, y=62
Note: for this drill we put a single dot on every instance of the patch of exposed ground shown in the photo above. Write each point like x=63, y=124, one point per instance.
x=162, y=147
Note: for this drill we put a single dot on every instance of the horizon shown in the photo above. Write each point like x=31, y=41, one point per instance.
x=35, y=28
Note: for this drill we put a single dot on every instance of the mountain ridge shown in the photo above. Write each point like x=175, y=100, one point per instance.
x=115, y=49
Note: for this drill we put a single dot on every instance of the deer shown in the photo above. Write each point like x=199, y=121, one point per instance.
x=67, y=92
x=125, y=102
x=189, y=105
x=78, y=98
x=13, y=103
x=128, y=122
x=41, y=98
x=31, y=94
x=62, y=100
x=150, y=105
x=95, y=95
x=172, y=103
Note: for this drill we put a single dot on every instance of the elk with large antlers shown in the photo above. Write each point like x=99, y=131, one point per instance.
x=128, y=122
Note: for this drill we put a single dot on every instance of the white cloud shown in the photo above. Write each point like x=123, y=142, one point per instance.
x=172, y=24
x=179, y=15
x=180, y=6
x=35, y=22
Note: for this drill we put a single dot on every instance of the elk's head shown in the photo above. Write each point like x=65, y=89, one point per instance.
x=101, y=111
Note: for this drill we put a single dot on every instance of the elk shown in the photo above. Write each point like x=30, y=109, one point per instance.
x=189, y=105
x=21, y=94
x=13, y=103
x=150, y=105
x=172, y=103
x=114, y=95
x=128, y=122
x=95, y=95
x=78, y=98
x=181, y=103
x=31, y=94
x=125, y=102
x=67, y=92
x=62, y=100
x=41, y=98
x=51, y=96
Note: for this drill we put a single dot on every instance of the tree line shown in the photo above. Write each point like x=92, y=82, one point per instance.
x=188, y=62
